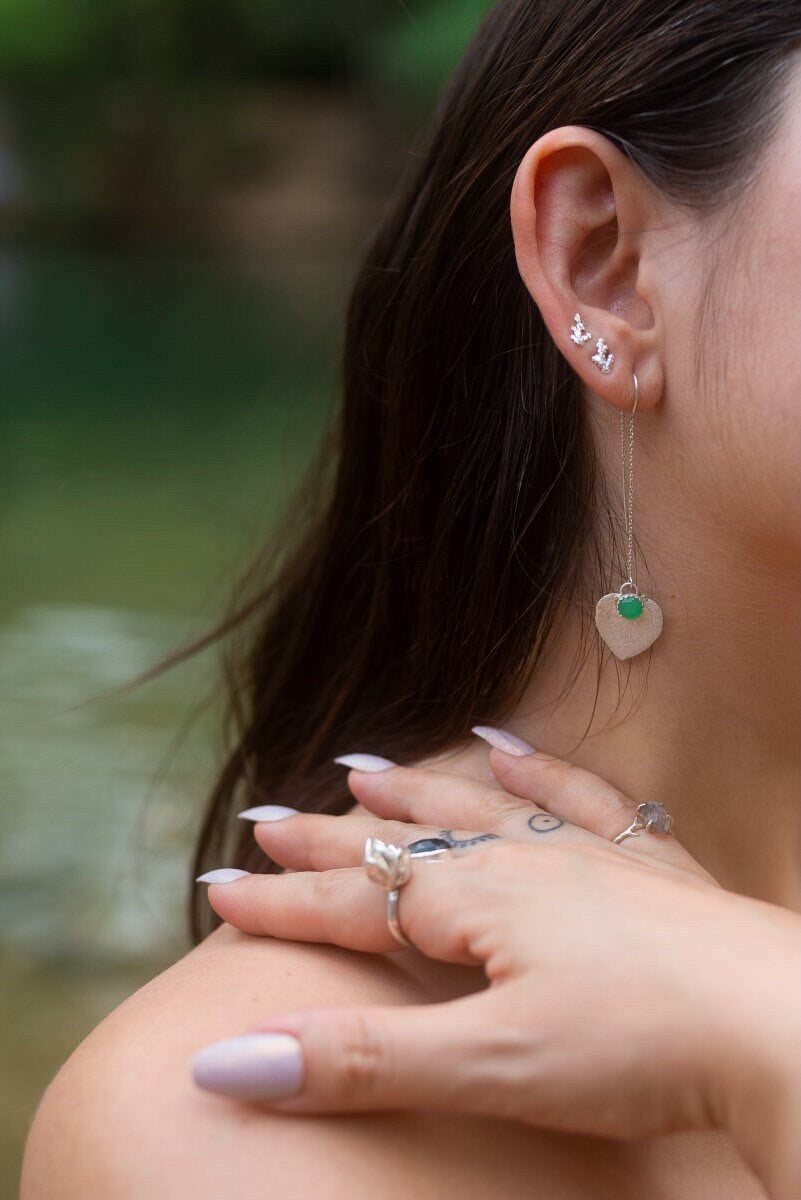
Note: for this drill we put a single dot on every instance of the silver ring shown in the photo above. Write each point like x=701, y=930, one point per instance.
x=391, y=867
x=393, y=919
x=652, y=817
x=387, y=865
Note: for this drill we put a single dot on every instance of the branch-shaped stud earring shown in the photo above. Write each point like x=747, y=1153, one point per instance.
x=579, y=333
x=602, y=358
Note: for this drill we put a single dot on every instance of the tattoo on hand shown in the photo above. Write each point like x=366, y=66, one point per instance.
x=538, y=823
x=544, y=823
x=448, y=836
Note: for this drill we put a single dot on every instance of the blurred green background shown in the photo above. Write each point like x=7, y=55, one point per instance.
x=185, y=191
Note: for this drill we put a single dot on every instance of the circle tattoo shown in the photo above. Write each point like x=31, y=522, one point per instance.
x=544, y=823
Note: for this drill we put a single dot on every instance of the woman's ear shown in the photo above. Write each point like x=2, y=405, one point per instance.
x=581, y=215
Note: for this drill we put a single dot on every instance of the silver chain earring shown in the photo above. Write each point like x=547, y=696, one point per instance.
x=628, y=621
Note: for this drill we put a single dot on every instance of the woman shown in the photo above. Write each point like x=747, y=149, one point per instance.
x=451, y=571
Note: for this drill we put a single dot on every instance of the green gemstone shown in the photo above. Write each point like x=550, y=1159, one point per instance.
x=630, y=607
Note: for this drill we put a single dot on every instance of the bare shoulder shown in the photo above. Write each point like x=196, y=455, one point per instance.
x=123, y=1118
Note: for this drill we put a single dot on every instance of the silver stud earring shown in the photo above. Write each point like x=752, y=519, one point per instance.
x=579, y=333
x=628, y=621
x=602, y=358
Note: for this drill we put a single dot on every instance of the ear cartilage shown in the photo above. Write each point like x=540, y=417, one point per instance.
x=579, y=333
x=602, y=358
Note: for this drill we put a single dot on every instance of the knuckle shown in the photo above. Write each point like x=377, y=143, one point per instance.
x=608, y=802
x=494, y=858
x=317, y=857
x=560, y=772
x=619, y=806
x=490, y=806
x=326, y=890
x=364, y=1059
x=420, y=789
x=400, y=833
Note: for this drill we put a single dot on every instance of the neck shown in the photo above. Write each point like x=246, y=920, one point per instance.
x=714, y=735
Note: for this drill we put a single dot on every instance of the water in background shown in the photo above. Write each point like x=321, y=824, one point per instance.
x=154, y=417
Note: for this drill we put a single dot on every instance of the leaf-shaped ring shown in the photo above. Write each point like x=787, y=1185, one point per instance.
x=387, y=865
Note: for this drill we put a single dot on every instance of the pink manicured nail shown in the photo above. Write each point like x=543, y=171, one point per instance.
x=365, y=762
x=268, y=812
x=221, y=875
x=256, y=1066
x=501, y=739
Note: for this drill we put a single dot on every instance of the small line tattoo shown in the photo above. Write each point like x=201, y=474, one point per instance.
x=448, y=836
x=544, y=823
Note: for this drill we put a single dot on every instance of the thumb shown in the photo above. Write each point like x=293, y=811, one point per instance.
x=360, y=1060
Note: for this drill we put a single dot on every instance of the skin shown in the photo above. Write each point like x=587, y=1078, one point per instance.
x=543, y=901
x=715, y=736
x=717, y=501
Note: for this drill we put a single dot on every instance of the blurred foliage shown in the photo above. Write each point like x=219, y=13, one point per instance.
x=125, y=121
x=415, y=56
x=47, y=43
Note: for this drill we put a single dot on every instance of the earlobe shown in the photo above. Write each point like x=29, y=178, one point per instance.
x=580, y=217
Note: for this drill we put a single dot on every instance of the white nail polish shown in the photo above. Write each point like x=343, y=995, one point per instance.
x=268, y=812
x=256, y=1066
x=221, y=875
x=365, y=762
x=501, y=739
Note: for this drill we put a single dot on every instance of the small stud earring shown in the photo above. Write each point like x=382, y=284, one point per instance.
x=602, y=358
x=579, y=333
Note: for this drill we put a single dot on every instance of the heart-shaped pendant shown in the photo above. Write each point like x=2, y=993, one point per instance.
x=629, y=634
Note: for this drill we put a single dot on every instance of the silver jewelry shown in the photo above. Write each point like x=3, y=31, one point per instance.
x=393, y=919
x=387, y=865
x=628, y=621
x=652, y=817
x=602, y=358
x=435, y=847
x=391, y=867
x=579, y=333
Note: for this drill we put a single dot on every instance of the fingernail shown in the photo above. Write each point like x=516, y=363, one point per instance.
x=501, y=739
x=268, y=812
x=255, y=1066
x=365, y=762
x=221, y=875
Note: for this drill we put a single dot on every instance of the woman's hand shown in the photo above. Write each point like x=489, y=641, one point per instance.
x=629, y=994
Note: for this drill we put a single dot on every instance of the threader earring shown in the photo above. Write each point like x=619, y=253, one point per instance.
x=628, y=621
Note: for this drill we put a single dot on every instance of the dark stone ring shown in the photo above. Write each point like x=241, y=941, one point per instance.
x=430, y=848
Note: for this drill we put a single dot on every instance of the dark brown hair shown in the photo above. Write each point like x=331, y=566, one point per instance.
x=412, y=590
